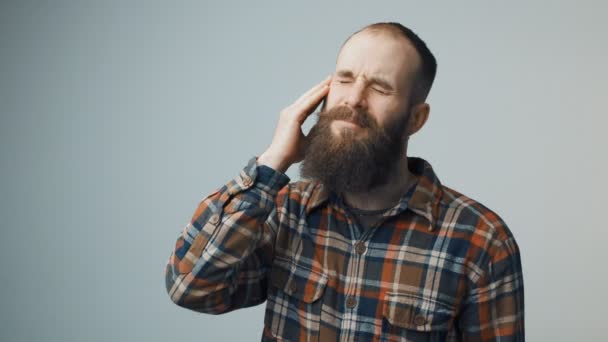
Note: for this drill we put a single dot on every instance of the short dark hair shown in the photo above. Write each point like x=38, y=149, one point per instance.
x=425, y=75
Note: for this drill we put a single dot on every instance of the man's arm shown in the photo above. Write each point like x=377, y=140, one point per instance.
x=494, y=307
x=221, y=259
x=222, y=256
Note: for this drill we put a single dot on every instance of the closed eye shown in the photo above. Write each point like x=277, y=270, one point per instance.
x=376, y=88
x=381, y=91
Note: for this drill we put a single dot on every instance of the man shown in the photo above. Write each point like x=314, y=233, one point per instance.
x=369, y=245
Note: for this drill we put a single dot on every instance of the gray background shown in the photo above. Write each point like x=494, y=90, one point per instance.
x=117, y=117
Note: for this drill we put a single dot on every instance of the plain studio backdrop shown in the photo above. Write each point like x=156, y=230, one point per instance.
x=118, y=117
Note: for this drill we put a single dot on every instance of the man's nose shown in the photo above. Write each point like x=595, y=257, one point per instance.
x=356, y=96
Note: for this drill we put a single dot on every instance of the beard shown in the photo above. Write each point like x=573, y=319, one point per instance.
x=347, y=161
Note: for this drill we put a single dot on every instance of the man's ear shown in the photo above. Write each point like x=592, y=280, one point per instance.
x=418, y=116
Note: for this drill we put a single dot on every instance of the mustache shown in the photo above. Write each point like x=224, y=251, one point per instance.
x=356, y=116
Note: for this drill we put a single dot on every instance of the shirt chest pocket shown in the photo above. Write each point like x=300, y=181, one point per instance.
x=414, y=317
x=294, y=303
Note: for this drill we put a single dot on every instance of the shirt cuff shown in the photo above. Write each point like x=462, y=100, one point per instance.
x=268, y=177
x=261, y=177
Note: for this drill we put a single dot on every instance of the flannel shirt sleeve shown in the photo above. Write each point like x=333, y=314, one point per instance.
x=494, y=307
x=222, y=257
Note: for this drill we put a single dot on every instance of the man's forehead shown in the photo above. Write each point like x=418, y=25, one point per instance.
x=385, y=54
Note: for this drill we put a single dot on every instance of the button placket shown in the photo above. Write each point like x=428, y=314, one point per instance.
x=359, y=248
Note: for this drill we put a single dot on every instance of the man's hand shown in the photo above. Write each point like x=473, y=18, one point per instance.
x=289, y=143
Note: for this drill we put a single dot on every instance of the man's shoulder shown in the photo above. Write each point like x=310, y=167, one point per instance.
x=472, y=216
x=490, y=243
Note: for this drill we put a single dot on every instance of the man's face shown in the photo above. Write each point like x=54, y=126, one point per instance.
x=374, y=73
x=359, y=135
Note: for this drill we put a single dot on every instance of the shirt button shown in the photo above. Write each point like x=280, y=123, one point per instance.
x=351, y=302
x=293, y=287
x=246, y=181
x=214, y=219
x=360, y=247
x=419, y=320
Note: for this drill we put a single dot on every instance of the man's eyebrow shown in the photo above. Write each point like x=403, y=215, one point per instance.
x=373, y=79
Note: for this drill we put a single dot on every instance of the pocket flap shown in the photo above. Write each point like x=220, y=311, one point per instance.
x=412, y=311
x=298, y=281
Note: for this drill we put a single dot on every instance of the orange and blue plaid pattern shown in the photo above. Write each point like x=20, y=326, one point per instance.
x=439, y=266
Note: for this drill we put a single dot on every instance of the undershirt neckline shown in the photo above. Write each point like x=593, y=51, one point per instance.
x=366, y=212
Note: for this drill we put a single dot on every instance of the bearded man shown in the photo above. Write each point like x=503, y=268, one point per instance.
x=369, y=245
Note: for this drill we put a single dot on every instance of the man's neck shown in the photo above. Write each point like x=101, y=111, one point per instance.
x=386, y=195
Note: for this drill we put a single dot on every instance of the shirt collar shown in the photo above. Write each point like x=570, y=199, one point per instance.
x=423, y=201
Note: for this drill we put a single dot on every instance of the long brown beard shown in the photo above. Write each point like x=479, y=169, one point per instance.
x=347, y=161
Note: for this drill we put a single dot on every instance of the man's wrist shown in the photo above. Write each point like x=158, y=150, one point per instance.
x=272, y=162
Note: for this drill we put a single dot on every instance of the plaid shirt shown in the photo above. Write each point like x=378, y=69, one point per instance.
x=438, y=266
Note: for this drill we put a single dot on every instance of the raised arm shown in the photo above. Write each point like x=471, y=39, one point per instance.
x=222, y=257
